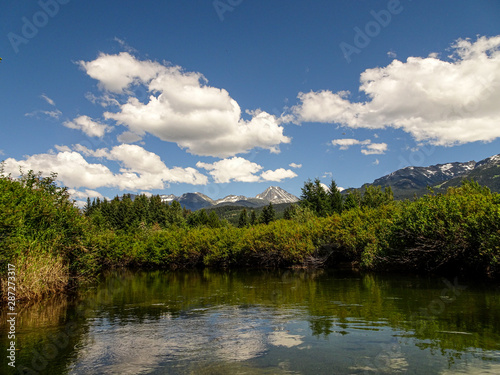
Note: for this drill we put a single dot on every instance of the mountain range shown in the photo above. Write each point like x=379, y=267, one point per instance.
x=405, y=183
x=410, y=181
x=196, y=201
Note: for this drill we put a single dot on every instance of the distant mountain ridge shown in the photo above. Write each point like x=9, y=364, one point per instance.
x=405, y=183
x=197, y=201
x=408, y=181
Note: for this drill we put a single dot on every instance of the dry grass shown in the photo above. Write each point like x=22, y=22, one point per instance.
x=38, y=274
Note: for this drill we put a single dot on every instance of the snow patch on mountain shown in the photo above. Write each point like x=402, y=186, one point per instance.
x=231, y=199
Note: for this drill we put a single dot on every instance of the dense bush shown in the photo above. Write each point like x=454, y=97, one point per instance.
x=42, y=234
x=52, y=244
x=458, y=231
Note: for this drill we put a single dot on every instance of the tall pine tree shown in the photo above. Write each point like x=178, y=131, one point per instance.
x=243, y=219
x=335, y=198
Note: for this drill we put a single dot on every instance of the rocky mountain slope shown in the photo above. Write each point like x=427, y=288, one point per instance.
x=414, y=180
x=196, y=201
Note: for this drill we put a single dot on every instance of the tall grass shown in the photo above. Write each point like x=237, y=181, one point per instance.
x=38, y=274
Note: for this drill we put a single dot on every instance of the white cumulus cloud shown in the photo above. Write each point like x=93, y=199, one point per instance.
x=375, y=149
x=443, y=102
x=140, y=169
x=182, y=108
x=88, y=126
x=75, y=194
x=278, y=174
x=242, y=170
x=234, y=169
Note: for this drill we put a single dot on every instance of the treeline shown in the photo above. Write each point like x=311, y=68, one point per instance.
x=127, y=214
x=143, y=211
x=54, y=245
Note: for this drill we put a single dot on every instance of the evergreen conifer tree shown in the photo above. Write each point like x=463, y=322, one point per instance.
x=335, y=198
x=268, y=214
x=243, y=219
x=253, y=218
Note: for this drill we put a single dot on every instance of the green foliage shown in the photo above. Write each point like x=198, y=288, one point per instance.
x=201, y=218
x=299, y=213
x=373, y=196
x=243, y=219
x=315, y=198
x=458, y=231
x=331, y=201
x=39, y=225
x=253, y=218
x=52, y=242
x=129, y=215
x=352, y=200
x=335, y=198
x=280, y=243
x=268, y=214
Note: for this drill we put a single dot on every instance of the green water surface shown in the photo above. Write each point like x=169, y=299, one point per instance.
x=261, y=322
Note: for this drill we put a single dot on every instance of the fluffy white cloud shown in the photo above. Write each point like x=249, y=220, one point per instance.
x=88, y=126
x=140, y=169
x=75, y=194
x=375, y=149
x=116, y=72
x=182, y=108
x=143, y=166
x=368, y=148
x=278, y=174
x=294, y=165
x=345, y=143
x=72, y=169
x=442, y=102
x=242, y=170
x=234, y=169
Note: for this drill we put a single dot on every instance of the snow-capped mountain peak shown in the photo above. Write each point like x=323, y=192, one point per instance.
x=231, y=199
x=196, y=201
x=414, y=178
x=277, y=195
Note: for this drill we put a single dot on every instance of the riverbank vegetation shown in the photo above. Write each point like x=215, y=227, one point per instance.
x=55, y=245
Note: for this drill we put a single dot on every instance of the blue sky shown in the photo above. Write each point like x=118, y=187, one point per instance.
x=232, y=96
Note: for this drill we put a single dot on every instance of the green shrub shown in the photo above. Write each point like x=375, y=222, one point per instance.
x=40, y=224
x=458, y=231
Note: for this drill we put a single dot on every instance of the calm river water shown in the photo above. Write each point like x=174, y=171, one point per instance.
x=262, y=322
